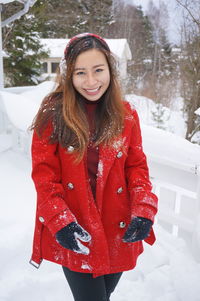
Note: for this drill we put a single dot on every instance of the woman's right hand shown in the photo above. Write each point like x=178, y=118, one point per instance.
x=69, y=237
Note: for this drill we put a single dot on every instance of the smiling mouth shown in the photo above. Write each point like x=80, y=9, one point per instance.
x=91, y=91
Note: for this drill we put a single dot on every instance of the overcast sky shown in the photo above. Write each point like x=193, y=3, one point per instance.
x=174, y=14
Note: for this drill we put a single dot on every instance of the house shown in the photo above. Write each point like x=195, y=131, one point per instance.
x=119, y=47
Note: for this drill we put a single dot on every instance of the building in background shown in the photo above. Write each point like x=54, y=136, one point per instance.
x=119, y=47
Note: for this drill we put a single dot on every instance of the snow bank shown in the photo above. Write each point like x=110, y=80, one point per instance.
x=163, y=145
x=167, y=147
x=173, y=120
x=22, y=108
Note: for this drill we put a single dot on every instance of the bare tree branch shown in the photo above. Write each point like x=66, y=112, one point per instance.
x=189, y=12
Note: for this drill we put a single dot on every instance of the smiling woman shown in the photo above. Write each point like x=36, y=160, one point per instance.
x=91, y=76
x=94, y=199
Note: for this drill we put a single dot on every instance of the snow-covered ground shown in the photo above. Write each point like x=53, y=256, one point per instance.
x=172, y=120
x=165, y=271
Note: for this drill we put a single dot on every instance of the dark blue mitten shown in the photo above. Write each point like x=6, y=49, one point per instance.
x=69, y=237
x=138, y=229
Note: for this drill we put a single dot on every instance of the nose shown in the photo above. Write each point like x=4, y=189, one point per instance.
x=91, y=80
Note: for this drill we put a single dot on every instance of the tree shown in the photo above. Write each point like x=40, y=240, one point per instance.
x=164, y=65
x=21, y=42
x=190, y=63
x=129, y=22
x=69, y=17
x=47, y=19
x=159, y=116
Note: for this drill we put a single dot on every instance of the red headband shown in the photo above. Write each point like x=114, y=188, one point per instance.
x=81, y=35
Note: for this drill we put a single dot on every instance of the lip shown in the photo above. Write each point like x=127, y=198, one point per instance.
x=92, y=91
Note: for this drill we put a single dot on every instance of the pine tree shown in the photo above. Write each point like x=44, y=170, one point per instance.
x=22, y=45
x=158, y=116
x=164, y=65
x=131, y=23
x=69, y=17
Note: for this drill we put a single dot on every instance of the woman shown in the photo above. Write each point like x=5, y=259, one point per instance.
x=94, y=199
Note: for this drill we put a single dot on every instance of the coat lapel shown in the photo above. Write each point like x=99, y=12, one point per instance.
x=106, y=159
x=107, y=156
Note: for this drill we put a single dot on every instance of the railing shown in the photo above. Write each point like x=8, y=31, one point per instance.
x=179, y=212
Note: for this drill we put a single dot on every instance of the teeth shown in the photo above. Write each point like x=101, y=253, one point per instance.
x=92, y=90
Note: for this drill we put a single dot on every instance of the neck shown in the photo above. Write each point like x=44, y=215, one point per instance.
x=90, y=102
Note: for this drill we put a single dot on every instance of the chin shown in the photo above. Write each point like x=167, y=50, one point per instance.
x=92, y=98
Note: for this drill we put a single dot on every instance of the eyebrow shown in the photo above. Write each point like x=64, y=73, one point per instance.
x=100, y=65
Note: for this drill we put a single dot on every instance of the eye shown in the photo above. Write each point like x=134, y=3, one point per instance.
x=80, y=73
x=99, y=70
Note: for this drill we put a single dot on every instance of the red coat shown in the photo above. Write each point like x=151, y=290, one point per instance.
x=64, y=195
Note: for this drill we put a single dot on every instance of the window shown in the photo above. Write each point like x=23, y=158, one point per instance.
x=54, y=67
x=44, y=67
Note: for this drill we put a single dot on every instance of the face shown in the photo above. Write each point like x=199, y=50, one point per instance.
x=91, y=76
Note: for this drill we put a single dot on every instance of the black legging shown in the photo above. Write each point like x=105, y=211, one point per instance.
x=86, y=288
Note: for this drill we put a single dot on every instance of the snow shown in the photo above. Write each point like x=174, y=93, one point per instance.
x=100, y=168
x=169, y=147
x=6, y=1
x=166, y=271
x=197, y=111
x=162, y=144
x=22, y=108
x=18, y=109
x=173, y=120
x=6, y=138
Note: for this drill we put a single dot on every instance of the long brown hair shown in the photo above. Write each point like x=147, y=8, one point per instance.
x=64, y=107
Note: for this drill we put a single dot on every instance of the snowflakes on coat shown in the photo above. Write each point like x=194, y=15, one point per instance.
x=63, y=216
x=119, y=144
x=129, y=117
x=139, y=183
x=132, y=106
x=139, y=147
x=58, y=255
x=139, y=189
x=100, y=169
x=148, y=200
x=86, y=266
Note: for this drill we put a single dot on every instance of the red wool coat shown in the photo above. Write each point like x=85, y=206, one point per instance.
x=64, y=195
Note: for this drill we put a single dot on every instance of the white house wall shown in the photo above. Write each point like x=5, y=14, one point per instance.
x=119, y=48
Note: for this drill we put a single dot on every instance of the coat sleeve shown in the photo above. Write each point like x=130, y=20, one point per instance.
x=52, y=210
x=144, y=202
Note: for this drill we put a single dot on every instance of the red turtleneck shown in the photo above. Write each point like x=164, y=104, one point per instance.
x=92, y=152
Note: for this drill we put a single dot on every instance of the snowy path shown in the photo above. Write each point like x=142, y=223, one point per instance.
x=165, y=272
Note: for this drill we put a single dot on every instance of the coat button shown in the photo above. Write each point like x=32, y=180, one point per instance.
x=119, y=154
x=119, y=190
x=70, y=149
x=70, y=186
x=41, y=219
x=122, y=225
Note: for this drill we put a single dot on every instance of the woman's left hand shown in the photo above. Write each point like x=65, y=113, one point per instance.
x=138, y=229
